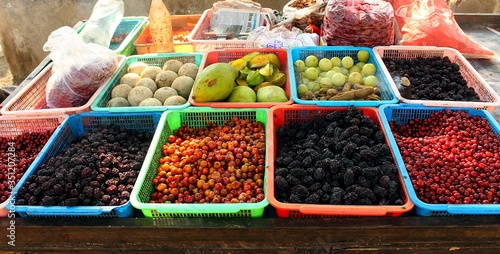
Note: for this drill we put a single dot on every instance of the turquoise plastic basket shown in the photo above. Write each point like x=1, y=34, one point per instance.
x=132, y=26
x=159, y=59
x=192, y=117
x=402, y=114
x=71, y=129
x=300, y=53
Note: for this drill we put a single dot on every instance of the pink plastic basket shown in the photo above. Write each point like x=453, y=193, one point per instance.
x=31, y=99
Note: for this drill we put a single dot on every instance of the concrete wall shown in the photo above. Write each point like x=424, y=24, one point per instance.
x=26, y=24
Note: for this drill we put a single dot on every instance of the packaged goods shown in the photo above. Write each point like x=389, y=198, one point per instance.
x=367, y=23
x=79, y=68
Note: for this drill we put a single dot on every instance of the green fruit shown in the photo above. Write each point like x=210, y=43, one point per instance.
x=271, y=94
x=311, y=73
x=311, y=61
x=363, y=55
x=242, y=94
x=313, y=86
x=300, y=66
x=368, y=69
x=355, y=78
x=338, y=79
x=214, y=82
x=370, y=81
x=347, y=62
x=336, y=62
x=325, y=64
x=302, y=89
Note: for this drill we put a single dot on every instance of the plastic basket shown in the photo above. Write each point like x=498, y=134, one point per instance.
x=300, y=53
x=15, y=126
x=31, y=99
x=489, y=98
x=132, y=27
x=99, y=105
x=402, y=114
x=283, y=115
x=179, y=23
x=69, y=131
x=192, y=117
x=227, y=55
x=196, y=36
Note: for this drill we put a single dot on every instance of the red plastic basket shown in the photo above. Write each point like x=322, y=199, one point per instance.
x=281, y=115
x=227, y=55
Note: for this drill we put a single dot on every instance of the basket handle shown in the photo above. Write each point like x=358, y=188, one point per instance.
x=345, y=210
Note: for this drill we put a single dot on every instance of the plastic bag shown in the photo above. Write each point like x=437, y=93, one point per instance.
x=280, y=37
x=105, y=18
x=301, y=13
x=366, y=23
x=79, y=68
x=432, y=23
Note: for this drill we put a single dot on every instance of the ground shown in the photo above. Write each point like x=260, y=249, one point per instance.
x=5, y=75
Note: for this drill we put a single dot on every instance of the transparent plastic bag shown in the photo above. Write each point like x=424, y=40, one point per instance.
x=280, y=37
x=79, y=68
x=105, y=18
x=301, y=13
x=366, y=23
x=432, y=23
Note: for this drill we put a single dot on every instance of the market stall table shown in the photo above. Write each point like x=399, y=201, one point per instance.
x=405, y=234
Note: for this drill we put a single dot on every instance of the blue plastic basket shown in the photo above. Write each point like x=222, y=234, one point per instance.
x=132, y=26
x=99, y=105
x=300, y=53
x=402, y=114
x=72, y=128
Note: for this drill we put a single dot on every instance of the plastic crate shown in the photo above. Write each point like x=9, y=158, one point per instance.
x=282, y=115
x=402, y=114
x=15, y=126
x=300, y=53
x=31, y=99
x=180, y=23
x=227, y=55
x=201, y=45
x=99, y=105
x=132, y=26
x=489, y=98
x=70, y=130
x=192, y=117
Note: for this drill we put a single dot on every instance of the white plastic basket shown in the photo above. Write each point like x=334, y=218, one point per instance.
x=489, y=98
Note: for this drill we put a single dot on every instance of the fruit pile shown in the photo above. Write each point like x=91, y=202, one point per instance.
x=215, y=164
x=340, y=159
x=148, y=85
x=337, y=78
x=451, y=158
x=432, y=78
x=97, y=169
x=255, y=77
x=16, y=155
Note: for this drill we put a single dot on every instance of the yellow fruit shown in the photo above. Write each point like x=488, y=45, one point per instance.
x=273, y=58
x=239, y=63
x=214, y=83
x=258, y=61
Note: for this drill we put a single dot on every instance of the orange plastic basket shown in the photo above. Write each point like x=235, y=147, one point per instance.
x=227, y=55
x=283, y=115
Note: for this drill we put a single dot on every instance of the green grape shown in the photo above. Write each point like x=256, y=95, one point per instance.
x=363, y=55
x=338, y=79
x=300, y=66
x=311, y=61
x=311, y=73
x=336, y=62
x=325, y=64
x=368, y=69
x=302, y=89
x=347, y=62
x=325, y=83
x=370, y=81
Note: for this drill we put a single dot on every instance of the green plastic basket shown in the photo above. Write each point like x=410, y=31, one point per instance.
x=132, y=26
x=192, y=117
x=159, y=59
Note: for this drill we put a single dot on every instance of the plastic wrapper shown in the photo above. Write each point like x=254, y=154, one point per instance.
x=79, y=68
x=105, y=18
x=280, y=37
x=302, y=13
x=432, y=23
x=367, y=23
